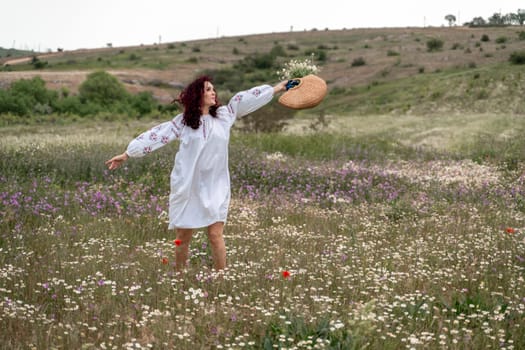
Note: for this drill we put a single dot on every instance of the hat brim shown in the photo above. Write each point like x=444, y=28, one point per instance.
x=310, y=91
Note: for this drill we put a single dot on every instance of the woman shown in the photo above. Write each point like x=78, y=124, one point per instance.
x=200, y=180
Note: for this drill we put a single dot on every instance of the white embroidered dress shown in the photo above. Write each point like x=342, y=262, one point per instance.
x=200, y=179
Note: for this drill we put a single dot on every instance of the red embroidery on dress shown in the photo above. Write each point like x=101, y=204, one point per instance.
x=175, y=125
x=176, y=128
x=153, y=136
x=147, y=150
x=165, y=139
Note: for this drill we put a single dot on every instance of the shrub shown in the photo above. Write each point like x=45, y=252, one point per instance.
x=434, y=44
x=39, y=64
x=517, y=57
x=482, y=94
x=34, y=88
x=31, y=97
x=318, y=54
x=11, y=104
x=392, y=53
x=501, y=40
x=73, y=105
x=263, y=61
x=359, y=61
x=102, y=88
x=143, y=102
x=277, y=51
x=231, y=79
x=35, y=60
x=64, y=91
x=521, y=35
x=28, y=96
x=485, y=37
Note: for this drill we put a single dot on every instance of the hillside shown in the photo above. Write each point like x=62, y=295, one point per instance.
x=399, y=74
x=9, y=54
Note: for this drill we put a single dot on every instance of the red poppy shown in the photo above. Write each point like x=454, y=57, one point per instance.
x=164, y=261
x=286, y=274
x=510, y=230
x=177, y=242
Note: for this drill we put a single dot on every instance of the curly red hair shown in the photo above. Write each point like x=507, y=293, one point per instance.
x=191, y=100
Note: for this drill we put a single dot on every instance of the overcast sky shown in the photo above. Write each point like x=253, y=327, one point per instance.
x=42, y=25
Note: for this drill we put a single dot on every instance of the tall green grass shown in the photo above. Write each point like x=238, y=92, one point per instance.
x=328, y=146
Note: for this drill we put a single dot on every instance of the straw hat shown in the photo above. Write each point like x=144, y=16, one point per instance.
x=308, y=92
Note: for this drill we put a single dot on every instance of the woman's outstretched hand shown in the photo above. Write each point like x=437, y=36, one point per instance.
x=117, y=161
x=280, y=87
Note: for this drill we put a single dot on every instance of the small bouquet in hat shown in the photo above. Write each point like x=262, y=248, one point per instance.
x=298, y=69
x=304, y=88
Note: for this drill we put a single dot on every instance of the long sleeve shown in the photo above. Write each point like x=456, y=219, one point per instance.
x=248, y=101
x=156, y=137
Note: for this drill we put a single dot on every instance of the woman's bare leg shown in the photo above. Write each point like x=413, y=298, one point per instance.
x=181, y=251
x=218, y=249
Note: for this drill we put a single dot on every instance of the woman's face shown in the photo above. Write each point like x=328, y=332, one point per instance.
x=209, y=97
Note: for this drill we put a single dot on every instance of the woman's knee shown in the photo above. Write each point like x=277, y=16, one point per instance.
x=184, y=235
x=215, y=233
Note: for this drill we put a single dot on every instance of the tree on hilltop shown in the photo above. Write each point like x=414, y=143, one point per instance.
x=520, y=16
x=451, y=20
x=478, y=22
